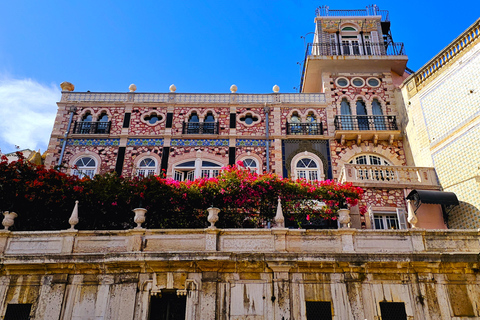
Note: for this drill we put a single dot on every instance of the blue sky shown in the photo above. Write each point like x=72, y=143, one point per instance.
x=200, y=46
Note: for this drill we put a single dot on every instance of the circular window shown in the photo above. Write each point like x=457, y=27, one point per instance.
x=342, y=82
x=373, y=82
x=358, y=82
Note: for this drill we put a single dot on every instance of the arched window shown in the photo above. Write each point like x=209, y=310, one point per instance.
x=86, y=124
x=295, y=118
x=378, y=174
x=311, y=117
x=209, y=124
x=190, y=170
x=146, y=167
x=350, y=41
x=85, y=167
x=209, y=117
x=308, y=169
x=251, y=164
x=346, y=120
x=362, y=117
x=102, y=124
x=378, y=115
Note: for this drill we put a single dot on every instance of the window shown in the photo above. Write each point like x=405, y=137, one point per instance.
x=168, y=306
x=190, y=170
x=251, y=164
x=388, y=220
x=378, y=118
x=378, y=174
x=152, y=118
x=85, y=125
x=249, y=119
x=358, y=82
x=346, y=119
x=103, y=124
x=308, y=169
x=342, y=82
x=20, y=311
x=393, y=311
x=85, y=167
x=362, y=118
x=373, y=82
x=319, y=310
x=146, y=167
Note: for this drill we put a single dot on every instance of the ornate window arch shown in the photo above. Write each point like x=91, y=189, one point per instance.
x=152, y=118
x=85, y=164
x=146, y=164
x=365, y=172
x=191, y=169
x=252, y=162
x=307, y=165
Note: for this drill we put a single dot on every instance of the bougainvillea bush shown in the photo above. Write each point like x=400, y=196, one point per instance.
x=44, y=199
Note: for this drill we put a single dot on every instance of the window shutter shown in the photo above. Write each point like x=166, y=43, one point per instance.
x=401, y=218
x=372, y=218
x=375, y=43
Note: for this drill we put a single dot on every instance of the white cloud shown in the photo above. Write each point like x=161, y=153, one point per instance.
x=27, y=114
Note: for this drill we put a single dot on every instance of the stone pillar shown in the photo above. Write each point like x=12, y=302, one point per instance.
x=281, y=290
x=208, y=295
x=51, y=296
x=4, y=283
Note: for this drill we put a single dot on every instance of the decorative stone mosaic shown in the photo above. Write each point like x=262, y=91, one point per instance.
x=198, y=142
x=252, y=143
x=92, y=142
x=144, y=142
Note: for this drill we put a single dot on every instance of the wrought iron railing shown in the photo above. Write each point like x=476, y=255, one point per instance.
x=372, y=10
x=200, y=128
x=377, y=123
x=305, y=128
x=350, y=48
x=92, y=127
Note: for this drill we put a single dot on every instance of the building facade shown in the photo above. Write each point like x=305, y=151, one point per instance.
x=343, y=125
x=346, y=124
x=442, y=122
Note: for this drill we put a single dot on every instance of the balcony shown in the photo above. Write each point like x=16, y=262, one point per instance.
x=371, y=10
x=356, y=49
x=389, y=176
x=366, y=128
x=306, y=129
x=92, y=127
x=200, y=128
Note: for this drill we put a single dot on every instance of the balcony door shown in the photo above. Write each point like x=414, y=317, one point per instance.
x=351, y=42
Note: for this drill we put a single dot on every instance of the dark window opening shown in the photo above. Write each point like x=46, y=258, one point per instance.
x=153, y=118
x=393, y=311
x=319, y=310
x=249, y=119
x=168, y=306
x=18, y=311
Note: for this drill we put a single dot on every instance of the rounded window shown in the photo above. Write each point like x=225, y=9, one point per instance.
x=342, y=82
x=358, y=82
x=146, y=167
x=153, y=118
x=249, y=119
x=250, y=164
x=85, y=167
x=373, y=82
x=307, y=169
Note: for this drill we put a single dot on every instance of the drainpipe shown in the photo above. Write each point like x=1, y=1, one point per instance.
x=267, y=115
x=72, y=111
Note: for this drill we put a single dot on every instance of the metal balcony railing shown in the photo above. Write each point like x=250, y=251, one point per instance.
x=372, y=10
x=377, y=123
x=200, y=128
x=92, y=127
x=305, y=128
x=356, y=48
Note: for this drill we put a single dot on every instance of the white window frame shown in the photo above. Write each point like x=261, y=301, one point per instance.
x=307, y=173
x=190, y=173
x=145, y=171
x=85, y=171
x=385, y=216
x=249, y=167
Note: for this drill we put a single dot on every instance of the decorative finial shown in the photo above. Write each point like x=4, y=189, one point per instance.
x=233, y=88
x=67, y=86
x=139, y=217
x=74, y=217
x=173, y=88
x=132, y=88
x=276, y=88
x=279, y=218
x=8, y=219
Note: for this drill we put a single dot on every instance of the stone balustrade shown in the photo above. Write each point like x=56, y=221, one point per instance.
x=192, y=98
x=401, y=176
x=231, y=241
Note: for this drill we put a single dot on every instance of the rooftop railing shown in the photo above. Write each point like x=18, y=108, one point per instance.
x=192, y=98
x=372, y=10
